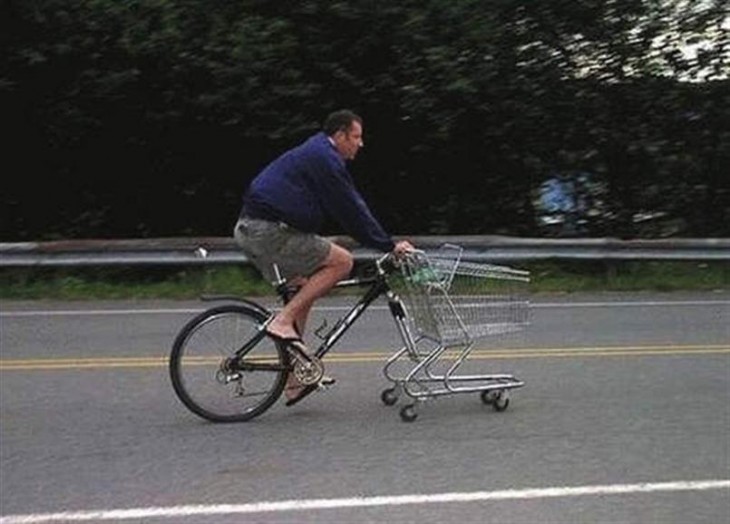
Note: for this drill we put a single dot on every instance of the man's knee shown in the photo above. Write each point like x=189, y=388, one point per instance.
x=341, y=259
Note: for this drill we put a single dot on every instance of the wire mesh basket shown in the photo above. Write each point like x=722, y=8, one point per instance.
x=453, y=301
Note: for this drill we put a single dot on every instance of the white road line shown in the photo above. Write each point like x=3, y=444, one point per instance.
x=97, y=312
x=189, y=311
x=361, y=502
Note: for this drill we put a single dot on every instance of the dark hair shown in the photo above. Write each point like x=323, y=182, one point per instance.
x=340, y=121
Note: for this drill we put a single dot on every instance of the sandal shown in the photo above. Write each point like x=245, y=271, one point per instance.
x=324, y=382
x=296, y=342
x=306, y=390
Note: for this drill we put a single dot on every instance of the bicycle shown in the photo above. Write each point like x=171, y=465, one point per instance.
x=225, y=368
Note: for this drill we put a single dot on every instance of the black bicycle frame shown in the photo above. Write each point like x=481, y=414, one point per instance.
x=378, y=287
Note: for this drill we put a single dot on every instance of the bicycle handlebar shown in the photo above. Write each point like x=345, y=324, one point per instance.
x=389, y=261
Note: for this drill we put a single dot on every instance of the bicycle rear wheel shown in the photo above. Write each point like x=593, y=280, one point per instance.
x=223, y=368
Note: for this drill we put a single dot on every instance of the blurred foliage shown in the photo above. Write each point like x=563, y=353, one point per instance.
x=143, y=118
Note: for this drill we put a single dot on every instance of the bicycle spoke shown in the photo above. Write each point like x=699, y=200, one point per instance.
x=212, y=380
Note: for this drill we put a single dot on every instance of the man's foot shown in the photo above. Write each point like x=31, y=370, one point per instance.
x=292, y=340
x=301, y=393
x=296, y=392
x=282, y=330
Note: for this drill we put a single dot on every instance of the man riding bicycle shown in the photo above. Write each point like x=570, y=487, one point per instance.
x=283, y=210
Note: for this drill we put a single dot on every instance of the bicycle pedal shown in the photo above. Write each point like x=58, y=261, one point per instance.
x=326, y=383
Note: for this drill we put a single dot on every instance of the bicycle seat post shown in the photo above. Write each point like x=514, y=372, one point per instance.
x=282, y=287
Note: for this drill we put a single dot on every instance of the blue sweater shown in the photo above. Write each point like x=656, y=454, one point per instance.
x=308, y=183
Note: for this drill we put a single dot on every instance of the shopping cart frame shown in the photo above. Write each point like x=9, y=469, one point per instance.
x=435, y=337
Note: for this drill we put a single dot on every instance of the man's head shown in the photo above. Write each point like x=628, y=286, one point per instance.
x=345, y=129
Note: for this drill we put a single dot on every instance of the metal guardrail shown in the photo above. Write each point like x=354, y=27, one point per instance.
x=218, y=250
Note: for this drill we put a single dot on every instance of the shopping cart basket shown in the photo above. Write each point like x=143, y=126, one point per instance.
x=451, y=304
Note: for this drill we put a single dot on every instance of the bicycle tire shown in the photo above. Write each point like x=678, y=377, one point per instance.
x=201, y=363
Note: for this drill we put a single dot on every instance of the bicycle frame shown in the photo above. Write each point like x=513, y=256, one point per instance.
x=378, y=287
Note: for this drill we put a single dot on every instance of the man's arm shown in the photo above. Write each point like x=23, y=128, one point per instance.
x=345, y=204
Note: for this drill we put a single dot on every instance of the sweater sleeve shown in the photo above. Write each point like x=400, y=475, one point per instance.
x=342, y=201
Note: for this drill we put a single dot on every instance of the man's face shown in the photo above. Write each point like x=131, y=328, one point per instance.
x=349, y=142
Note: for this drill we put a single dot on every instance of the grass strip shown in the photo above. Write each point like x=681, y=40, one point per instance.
x=171, y=282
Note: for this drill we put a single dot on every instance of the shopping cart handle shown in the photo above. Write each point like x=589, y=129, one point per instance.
x=388, y=262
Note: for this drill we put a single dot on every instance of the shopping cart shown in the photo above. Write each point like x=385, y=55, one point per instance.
x=452, y=304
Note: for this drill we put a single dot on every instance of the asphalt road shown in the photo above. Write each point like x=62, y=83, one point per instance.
x=625, y=418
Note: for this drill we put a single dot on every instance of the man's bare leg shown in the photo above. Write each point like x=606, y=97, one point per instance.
x=336, y=267
x=291, y=320
x=293, y=387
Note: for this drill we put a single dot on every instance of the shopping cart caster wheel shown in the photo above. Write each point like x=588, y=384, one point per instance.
x=501, y=401
x=389, y=396
x=488, y=397
x=408, y=413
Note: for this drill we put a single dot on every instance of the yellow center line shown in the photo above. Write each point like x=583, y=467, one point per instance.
x=373, y=356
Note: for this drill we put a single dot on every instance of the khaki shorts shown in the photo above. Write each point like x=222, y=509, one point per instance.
x=267, y=243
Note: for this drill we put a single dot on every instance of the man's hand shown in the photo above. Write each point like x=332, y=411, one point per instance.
x=402, y=247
